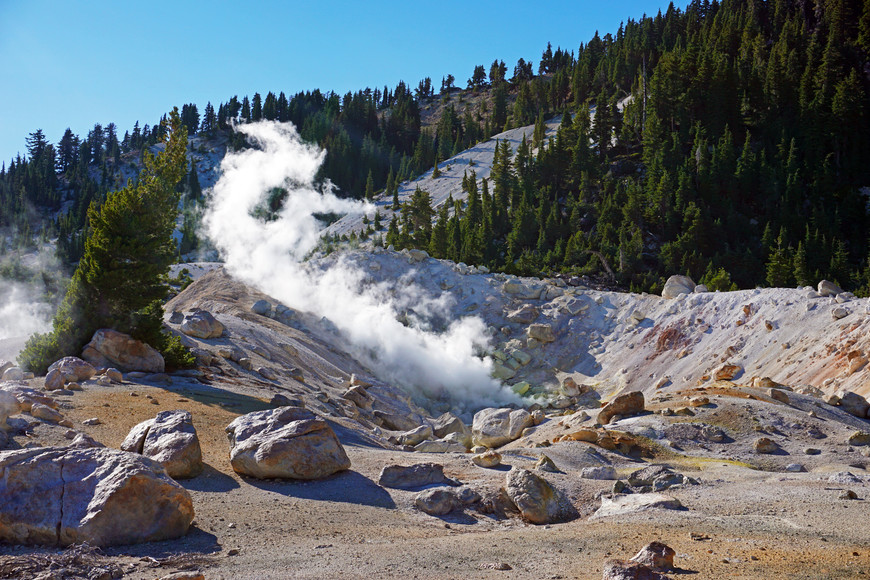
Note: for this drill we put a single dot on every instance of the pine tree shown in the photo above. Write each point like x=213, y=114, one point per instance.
x=370, y=186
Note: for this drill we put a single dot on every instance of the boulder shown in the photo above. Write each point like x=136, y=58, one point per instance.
x=27, y=397
x=359, y=397
x=13, y=374
x=621, y=504
x=170, y=439
x=488, y=459
x=526, y=314
x=439, y=501
x=46, y=413
x=726, y=372
x=494, y=427
x=440, y=446
x=615, y=569
x=522, y=290
x=449, y=423
x=839, y=312
x=605, y=472
x=66, y=495
x=396, y=422
x=859, y=439
x=541, y=332
x=202, y=324
x=626, y=404
x=765, y=445
x=413, y=476
x=677, y=285
x=73, y=369
x=537, y=501
x=110, y=348
x=262, y=307
x=54, y=380
x=827, y=288
x=415, y=436
x=9, y=405
x=657, y=556
x=853, y=403
x=287, y=442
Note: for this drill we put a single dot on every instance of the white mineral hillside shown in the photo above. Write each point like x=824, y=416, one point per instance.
x=477, y=159
x=545, y=330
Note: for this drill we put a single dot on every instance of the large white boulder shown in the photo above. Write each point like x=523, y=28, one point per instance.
x=73, y=369
x=677, y=285
x=64, y=495
x=287, y=442
x=494, y=427
x=170, y=439
x=202, y=324
x=536, y=499
x=110, y=348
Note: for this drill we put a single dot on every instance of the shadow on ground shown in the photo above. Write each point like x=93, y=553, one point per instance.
x=346, y=487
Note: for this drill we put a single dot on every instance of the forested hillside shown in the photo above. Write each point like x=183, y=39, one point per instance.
x=728, y=141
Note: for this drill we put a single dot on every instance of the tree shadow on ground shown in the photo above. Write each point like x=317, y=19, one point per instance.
x=346, y=487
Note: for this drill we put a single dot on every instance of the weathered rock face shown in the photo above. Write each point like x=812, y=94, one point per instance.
x=853, y=403
x=677, y=285
x=202, y=324
x=537, y=501
x=542, y=332
x=626, y=404
x=493, y=427
x=61, y=496
x=411, y=476
x=110, y=348
x=171, y=440
x=73, y=369
x=288, y=442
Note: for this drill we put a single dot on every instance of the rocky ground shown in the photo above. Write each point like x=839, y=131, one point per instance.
x=718, y=371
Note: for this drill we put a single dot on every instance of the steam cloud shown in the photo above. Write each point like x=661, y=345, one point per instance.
x=23, y=310
x=269, y=254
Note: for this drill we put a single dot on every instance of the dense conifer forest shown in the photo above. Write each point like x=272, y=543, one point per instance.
x=728, y=141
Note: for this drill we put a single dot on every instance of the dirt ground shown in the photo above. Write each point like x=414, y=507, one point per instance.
x=738, y=523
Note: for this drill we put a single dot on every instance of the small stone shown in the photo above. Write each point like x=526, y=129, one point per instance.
x=546, y=464
x=765, y=445
x=795, y=468
x=657, y=556
x=848, y=494
x=812, y=451
x=487, y=459
x=91, y=422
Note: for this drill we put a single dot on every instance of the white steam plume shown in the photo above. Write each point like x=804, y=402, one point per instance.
x=23, y=307
x=268, y=255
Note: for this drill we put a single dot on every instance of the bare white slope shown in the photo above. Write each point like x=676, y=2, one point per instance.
x=617, y=341
x=477, y=159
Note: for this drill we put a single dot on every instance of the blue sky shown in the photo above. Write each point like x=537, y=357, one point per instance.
x=76, y=63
